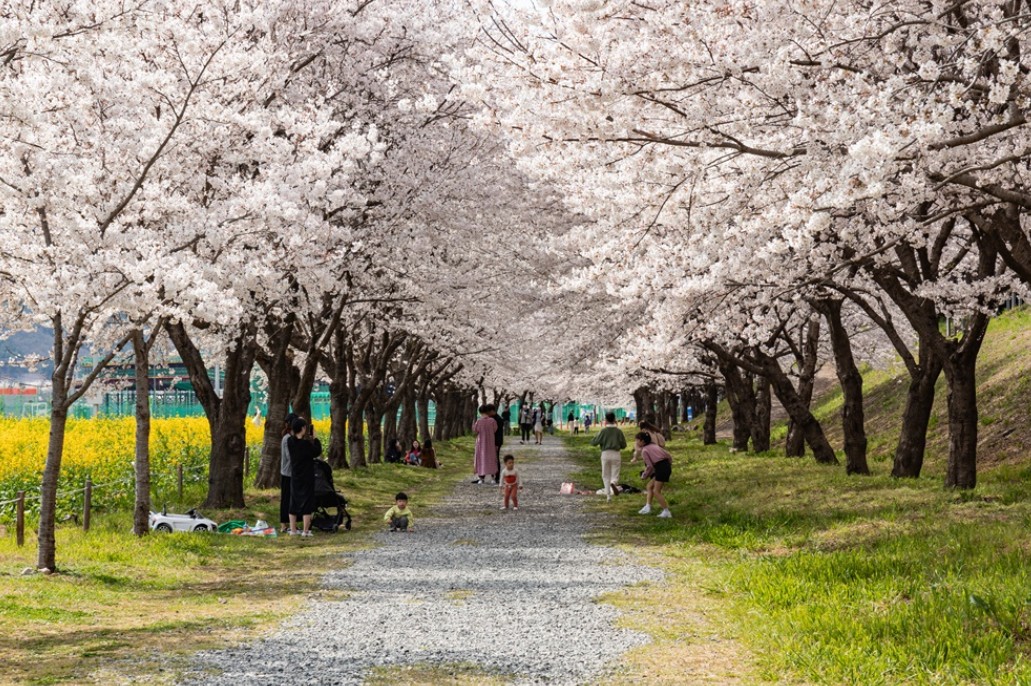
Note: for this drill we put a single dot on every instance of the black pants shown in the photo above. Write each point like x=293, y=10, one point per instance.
x=399, y=523
x=526, y=428
x=284, y=500
x=497, y=475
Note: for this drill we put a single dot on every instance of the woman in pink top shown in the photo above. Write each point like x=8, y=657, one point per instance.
x=485, y=460
x=658, y=467
x=657, y=439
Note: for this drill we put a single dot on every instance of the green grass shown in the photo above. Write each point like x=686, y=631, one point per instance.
x=829, y=579
x=119, y=599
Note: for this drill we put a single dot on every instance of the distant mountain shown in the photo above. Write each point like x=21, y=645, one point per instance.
x=16, y=348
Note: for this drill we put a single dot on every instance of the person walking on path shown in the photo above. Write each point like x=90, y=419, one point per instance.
x=570, y=420
x=525, y=424
x=658, y=468
x=538, y=425
x=304, y=448
x=506, y=420
x=284, y=476
x=611, y=440
x=485, y=456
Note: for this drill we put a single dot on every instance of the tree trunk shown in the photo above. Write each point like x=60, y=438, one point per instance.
x=46, y=556
x=852, y=416
x=356, y=436
x=795, y=444
x=423, y=409
x=373, y=420
x=65, y=352
x=227, y=416
x=798, y=409
x=960, y=372
x=763, y=407
x=279, y=382
x=409, y=428
x=742, y=403
x=909, y=454
x=229, y=432
x=141, y=366
x=670, y=410
x=712, y=400
x=301, y=400
x=390, y=420
x=338, y=410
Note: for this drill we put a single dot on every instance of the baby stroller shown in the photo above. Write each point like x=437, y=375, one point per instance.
x=330, y=506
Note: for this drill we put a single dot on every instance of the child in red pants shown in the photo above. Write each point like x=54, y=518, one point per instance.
x=510, y=483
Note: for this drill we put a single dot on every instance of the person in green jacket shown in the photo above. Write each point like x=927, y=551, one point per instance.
x=611, y=440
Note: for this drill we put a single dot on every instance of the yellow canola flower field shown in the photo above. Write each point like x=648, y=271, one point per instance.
x=103, y=448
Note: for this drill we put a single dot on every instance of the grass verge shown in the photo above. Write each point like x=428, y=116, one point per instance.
x=796, y=573
x=139, y=607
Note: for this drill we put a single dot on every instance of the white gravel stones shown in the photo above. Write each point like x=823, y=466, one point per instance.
x=511, y=592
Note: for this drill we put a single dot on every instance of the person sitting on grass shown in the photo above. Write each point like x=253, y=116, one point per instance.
x=429, y=455
x=414, y=455
x=395, y=453
x=399, y=517
x=658, y=468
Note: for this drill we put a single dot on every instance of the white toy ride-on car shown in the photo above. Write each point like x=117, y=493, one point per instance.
x=164, y=522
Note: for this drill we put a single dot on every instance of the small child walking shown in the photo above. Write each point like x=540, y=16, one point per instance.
x=510, y=483
x=399, y=517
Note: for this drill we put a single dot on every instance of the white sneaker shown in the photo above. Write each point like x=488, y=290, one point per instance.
x=665, y=514
x=601, y=491
x=647, y=509
x=503, y=508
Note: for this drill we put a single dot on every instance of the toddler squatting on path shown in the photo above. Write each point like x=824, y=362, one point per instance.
x=510, y=483
x=399, y=517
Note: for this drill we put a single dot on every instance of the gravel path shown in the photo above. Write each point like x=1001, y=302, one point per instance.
x=510, y=592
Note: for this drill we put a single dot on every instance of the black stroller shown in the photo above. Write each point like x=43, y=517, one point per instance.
x=330, y=506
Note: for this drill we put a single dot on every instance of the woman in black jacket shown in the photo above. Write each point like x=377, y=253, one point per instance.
x=304, y=448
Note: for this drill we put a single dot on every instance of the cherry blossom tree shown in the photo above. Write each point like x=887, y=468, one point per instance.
x=738, y=136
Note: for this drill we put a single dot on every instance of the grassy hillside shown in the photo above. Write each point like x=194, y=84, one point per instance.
x=1004, y=392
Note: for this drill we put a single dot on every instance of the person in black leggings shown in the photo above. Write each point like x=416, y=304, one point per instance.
x=525, y=423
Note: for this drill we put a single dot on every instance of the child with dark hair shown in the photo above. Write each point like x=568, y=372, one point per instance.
x=399, y=517
x=658, y=468
x=510, y=483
